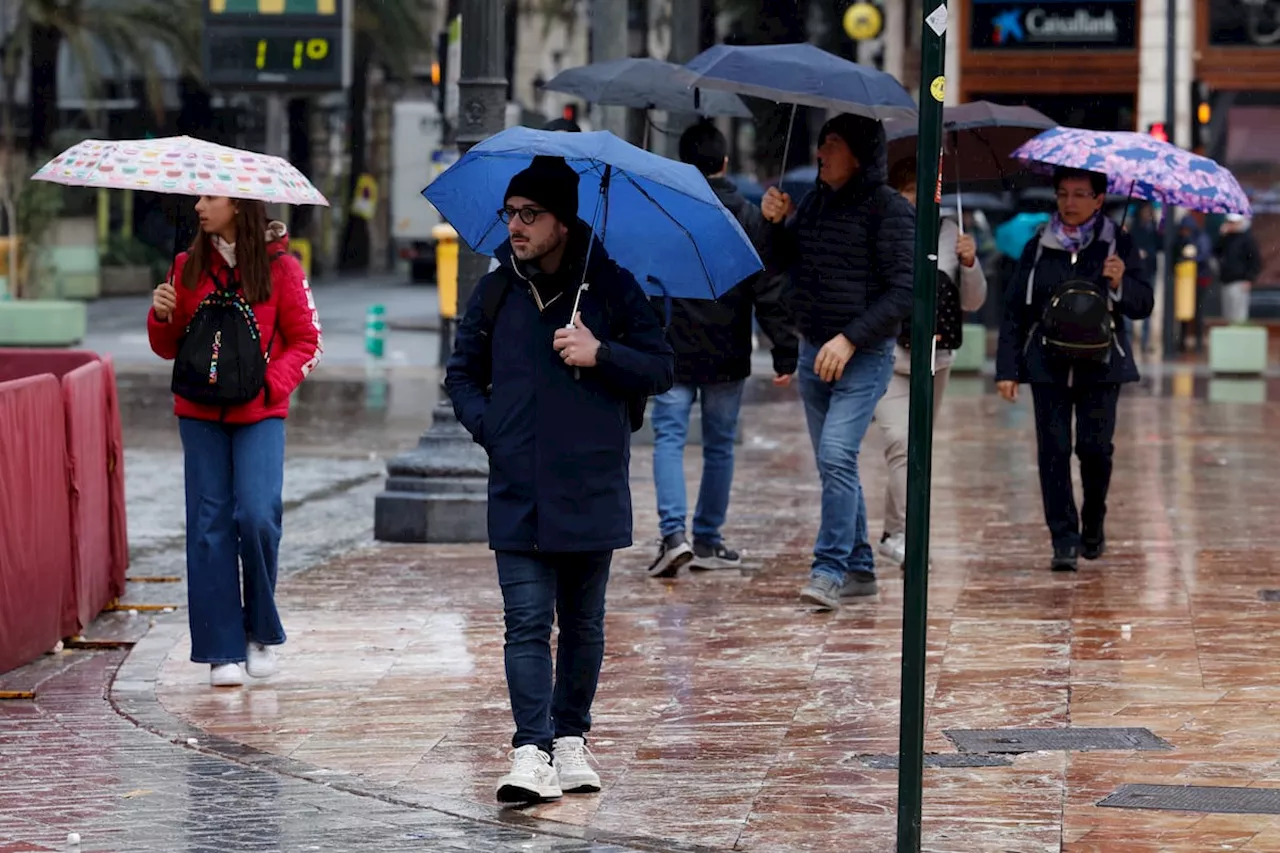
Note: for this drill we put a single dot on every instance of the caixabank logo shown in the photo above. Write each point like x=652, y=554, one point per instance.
x=1010, y=24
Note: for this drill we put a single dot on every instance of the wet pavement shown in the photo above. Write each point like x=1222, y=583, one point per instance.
x=729, y=717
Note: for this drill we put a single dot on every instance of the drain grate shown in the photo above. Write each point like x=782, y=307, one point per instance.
x=1012, y=741
x=1269, y=594
x=937, y=759
x=1191, y=798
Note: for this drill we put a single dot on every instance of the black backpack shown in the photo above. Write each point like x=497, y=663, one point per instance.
x=220, y=359
x=950, y=318
x=491, y=300
x=1077, y=323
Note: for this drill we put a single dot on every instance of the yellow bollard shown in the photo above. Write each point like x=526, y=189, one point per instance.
x=1184, y=288
x=446, y=270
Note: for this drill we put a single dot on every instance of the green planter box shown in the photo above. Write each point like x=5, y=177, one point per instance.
x=69, y=272
x=972, y=355
x=1238, y=350
x=41, y=323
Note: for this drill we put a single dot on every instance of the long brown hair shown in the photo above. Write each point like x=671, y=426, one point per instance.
x=252, y=262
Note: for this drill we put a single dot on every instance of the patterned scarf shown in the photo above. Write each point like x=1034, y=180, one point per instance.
x=1073, y=238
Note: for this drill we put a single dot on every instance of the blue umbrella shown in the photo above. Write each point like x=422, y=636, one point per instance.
x=659, y=219
x=1013, y=235
x=644, y=84
x=801, y=74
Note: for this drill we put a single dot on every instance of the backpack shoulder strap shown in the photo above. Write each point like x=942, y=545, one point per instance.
x=493, y=293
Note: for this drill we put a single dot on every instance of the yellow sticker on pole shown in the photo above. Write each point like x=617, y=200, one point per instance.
x=938, y=88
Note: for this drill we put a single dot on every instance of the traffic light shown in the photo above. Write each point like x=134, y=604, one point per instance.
x=1158, y=130
x=570, y=113
x=1203, y=115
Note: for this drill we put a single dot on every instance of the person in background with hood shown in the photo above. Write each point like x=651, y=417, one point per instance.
x=234, y=455
x=962, y=287
x=1239, y=265
x=849, y=249
x=547, y=393
x=712, y=342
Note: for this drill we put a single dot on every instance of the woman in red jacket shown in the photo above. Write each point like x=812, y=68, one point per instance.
x=234, y=455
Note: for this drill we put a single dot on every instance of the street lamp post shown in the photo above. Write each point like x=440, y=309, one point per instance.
x=437, y=492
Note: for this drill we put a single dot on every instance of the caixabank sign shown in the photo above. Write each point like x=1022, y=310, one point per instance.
x=1053, y=24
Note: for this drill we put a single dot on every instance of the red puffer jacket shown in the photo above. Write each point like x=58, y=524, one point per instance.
x=290, y=313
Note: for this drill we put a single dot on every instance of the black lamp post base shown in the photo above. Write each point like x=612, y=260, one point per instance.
x=437, y=492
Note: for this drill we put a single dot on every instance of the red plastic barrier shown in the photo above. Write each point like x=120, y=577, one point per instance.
x=84, y=393
x=17, y=362
x=35, y=519
x=92, y=529
x=115, y=477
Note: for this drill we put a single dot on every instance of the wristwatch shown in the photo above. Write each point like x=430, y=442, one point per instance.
x=603, y=352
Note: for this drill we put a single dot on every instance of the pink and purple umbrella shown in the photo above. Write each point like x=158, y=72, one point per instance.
x=1140, y=166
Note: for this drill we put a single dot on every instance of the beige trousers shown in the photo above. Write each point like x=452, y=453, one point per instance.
x=892, y=415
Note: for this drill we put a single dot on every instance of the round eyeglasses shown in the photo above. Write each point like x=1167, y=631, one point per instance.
x=528, y=215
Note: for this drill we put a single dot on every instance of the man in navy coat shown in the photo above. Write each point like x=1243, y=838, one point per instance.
x=548, y=394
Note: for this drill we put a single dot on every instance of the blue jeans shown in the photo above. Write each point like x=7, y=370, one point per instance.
x=234, y=476
x=838, y=415
x=535, y=589
x=721, y=403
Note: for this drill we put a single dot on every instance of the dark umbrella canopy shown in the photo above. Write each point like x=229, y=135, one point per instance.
x=979, y=138
x=800, y=74
x=644, y=84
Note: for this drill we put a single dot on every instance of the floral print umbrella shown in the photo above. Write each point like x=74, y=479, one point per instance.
x=180, y=165
x=1140, y=166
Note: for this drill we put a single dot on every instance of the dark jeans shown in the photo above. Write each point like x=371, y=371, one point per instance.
x=234, y=475
x=536, y=588
x=1094, y=407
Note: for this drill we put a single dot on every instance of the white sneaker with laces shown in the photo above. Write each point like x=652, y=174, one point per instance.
x=894, y=547
x=572, y=761
x=532, y=778
x=260, y=660
x=225, y=675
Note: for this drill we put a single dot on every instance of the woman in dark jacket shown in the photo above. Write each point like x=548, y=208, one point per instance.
x=1078, y=244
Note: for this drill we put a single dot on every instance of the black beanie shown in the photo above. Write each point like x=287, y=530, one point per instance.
x=551, y=183
x=858, y=132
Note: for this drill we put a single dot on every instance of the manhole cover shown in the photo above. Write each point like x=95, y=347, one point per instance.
x=1054, y=740
x=1191, y=798
x=939, y=759
x=1269, y=594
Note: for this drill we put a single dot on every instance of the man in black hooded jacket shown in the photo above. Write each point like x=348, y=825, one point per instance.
x=712, y=342
x=848, y=247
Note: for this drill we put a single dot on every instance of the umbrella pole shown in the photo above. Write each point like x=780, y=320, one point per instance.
x=648, y=125
x=177, y=240
x=955, y=146
x=1124, y=217
x=920, y=432
x=786, y=146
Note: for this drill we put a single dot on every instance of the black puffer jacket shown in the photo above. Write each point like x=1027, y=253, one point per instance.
x=712, y=340
x=849, y=251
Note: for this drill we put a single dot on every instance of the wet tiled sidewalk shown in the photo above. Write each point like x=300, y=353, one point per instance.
x=731, y=718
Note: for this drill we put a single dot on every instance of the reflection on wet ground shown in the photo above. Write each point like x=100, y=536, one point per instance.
x=731, y=717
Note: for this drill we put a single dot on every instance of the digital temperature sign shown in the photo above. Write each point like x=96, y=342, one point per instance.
x=277, y=44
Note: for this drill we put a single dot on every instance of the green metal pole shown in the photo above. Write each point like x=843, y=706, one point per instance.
x=920, y=427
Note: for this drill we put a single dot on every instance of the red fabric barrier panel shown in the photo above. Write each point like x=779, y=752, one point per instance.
x=17, y=362
x=35, y=519
x=85, y=396
x=115, y=477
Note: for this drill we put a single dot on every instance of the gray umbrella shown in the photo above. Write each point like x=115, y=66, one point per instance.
x=644, y=84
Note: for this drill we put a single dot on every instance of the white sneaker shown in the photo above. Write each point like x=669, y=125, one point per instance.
x=225, y=675
x=532, y=778
x=894, y=547
x=571, y=758
x=260, y=660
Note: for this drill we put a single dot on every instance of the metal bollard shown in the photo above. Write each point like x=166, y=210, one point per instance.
x=446, y=285
x=375, y=331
